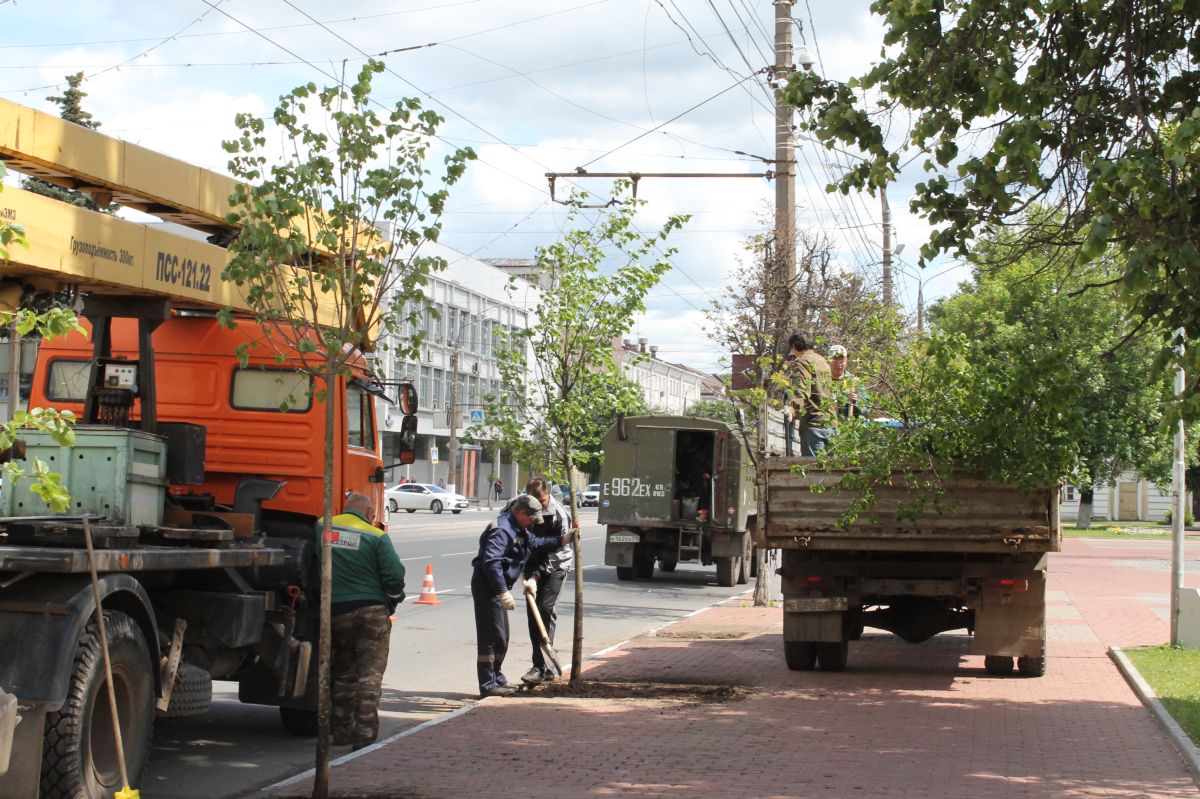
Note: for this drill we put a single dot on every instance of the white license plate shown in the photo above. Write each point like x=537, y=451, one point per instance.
x=814, y=604
x=623, y=538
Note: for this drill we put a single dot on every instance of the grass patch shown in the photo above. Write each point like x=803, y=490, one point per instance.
x=1142, y=531
x=1174, y=674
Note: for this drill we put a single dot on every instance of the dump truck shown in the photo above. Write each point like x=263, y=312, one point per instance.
x=930, y=554
x=199, y=476
x=677, y=489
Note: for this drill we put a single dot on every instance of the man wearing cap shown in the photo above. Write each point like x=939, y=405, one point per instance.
x=504, y=548
x=844, y=392
x=812, y=394
x=547, y=570
x=368, y=583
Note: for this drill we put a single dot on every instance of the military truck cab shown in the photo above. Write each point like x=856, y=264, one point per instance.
x=677, y=489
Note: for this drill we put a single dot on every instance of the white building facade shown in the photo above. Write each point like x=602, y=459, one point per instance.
x=668, y=387
x=469, y=312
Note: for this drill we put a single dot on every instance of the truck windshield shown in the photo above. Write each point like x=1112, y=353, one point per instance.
x=360, y=427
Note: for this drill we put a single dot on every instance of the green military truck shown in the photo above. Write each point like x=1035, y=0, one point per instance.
x=972, y=557
x=677, y=489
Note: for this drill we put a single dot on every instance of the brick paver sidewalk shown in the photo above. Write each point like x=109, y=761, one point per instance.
x=903, y=721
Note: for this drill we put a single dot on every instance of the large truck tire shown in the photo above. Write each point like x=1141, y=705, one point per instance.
x=1033, y=665
x=626, y=573
x=191, y=695
x=668, y=566
x=832, y=655
x=643, y=565
x=728, y=571
x=299, y=722
x=998, y=665
x=747, y=563
x=800, y=655
x=80, y=755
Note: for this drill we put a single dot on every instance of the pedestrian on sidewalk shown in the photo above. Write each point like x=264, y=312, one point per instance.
x=368, y=584
x=504, y=547
x=548, y=570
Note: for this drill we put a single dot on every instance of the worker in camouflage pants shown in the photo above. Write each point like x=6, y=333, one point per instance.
x=368, y=583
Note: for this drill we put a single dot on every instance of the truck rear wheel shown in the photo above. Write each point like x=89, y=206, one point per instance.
x=832, y=655
x=192, y=693
x=727, y=571
x=998, y=665
x=800, y=655
x=643, y=564
x=626, y=573
x=1031, y=665
x=747, y=563
x=668, y=565
x=80, y=755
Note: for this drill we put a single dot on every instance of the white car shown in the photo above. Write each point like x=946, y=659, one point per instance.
x=590, y=496
x=413, y=497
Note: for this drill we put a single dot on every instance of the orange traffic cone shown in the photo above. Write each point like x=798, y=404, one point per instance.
x=428, y=594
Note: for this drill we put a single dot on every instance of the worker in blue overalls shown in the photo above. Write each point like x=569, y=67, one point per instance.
x=504, y=548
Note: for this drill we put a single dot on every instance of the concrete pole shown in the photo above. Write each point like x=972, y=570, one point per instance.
x=452, y=466
x=785, y=153
x=1179, y=489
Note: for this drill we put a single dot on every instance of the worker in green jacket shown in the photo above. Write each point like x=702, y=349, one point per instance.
x=368, y=583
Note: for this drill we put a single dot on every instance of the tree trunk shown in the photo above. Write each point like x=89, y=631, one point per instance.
x=762, y=582
x=577, y=545
x=1084, y=520
x=321, y=779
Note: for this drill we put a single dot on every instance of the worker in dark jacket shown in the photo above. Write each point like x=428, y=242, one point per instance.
x=368, y=583
x=547, y=570
x=504, y=548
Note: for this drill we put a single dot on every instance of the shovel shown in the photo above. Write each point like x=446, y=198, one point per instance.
x=547, y=647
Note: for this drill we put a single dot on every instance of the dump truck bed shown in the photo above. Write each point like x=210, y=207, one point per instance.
x=952, y=514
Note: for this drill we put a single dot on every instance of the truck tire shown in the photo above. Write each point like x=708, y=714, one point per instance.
x=998, y=665
x=800, y=655
x=643, y=564
x=747, y=561
x=753, y=562
x=80, y=755
x=832, y=655
x=299, y=722
x=1033, y=665
x=668, y=566
x=436, y=506
x=191, y=695
x=626, y=573
x=727, y=571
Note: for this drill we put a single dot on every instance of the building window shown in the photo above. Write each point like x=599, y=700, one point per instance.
x=1068, y=493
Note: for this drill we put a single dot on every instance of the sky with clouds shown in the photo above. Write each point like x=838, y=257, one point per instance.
x=534, y=87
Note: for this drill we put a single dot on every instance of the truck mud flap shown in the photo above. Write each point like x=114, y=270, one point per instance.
x=728, y=544
x=1010, y=618
x=24, y=773
x=814, y=619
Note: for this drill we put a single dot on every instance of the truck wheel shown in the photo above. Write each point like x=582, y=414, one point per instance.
x=191, y=695
x=643, y=565
x=626, y=573
x=299, y=722
x=832, y=655
x=998, y=665
x=394, y=506
x=800, y=655
x=1031, y=665
x=668, y=565
x=80, y=755
x=747, y=558
x=436, y=506
x=726, y=571
x=753, y=562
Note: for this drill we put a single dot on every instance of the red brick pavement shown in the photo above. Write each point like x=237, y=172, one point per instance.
x=903, y=721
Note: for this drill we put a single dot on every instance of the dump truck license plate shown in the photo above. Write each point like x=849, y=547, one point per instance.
x=814, y=604
x=623, y=538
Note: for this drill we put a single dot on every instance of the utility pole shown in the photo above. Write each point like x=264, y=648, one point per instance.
x=785, y=153
x=455, y=358
x=887, y=249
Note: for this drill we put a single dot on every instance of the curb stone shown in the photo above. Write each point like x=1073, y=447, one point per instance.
x=1187, y=749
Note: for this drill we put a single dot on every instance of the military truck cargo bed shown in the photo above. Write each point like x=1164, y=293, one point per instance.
x=955, y=514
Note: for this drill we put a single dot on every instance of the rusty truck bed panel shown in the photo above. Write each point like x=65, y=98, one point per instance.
x=959, y=514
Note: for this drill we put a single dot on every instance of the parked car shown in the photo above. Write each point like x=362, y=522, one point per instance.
x=590, y=496
x=561, y=492
x=413, y=497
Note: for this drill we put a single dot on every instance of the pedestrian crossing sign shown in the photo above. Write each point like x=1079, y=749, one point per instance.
x=476, y=416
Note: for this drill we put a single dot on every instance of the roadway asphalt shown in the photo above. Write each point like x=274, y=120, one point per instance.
x=237, y=748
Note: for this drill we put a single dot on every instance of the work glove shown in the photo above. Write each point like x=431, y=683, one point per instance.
x=530, y=586
x=507, y=602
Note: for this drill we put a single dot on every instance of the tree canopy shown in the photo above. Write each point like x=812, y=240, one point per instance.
x=1084, y=107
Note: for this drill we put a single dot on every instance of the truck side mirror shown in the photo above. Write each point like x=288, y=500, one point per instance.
x=408, y=399
x=407, y=441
